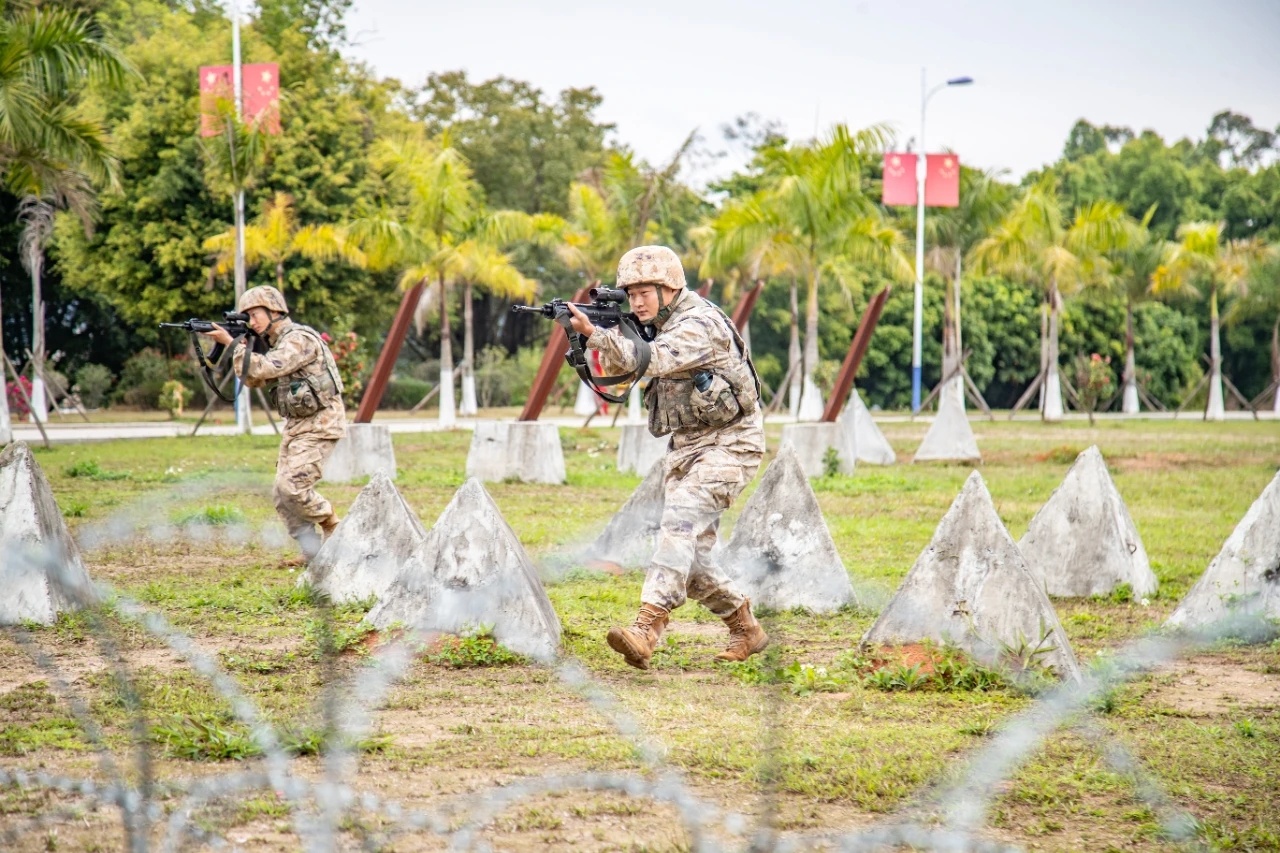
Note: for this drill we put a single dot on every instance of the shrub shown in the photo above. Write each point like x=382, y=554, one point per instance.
x=18, y=408
x=174, y=397
x=144, y=375
x=350, y=353
x=404, y=393
x=93, y=381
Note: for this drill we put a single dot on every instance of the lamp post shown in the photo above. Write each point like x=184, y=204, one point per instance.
x=917, y=321
x=244, y=420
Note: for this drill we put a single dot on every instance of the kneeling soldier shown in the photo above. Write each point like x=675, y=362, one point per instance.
x=704, y=393
x=302, y=383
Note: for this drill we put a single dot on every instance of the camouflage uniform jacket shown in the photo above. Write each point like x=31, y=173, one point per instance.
x=695, y=336
x=296, y=352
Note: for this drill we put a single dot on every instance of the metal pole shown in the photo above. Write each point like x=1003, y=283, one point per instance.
x=917, y=317
x=244, y=422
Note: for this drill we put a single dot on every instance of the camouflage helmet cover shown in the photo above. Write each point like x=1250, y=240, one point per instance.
x=651, y=265
x=262, y=296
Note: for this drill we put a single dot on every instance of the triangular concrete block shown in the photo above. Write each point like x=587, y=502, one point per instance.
x=1244, y=579
x=950, y=438
x=1083, y=542
x=41, y=573
x=364, y=555
x=871, y=445
x=971, y=587
x=472, y=573
x=631, y=535
x=781, y=554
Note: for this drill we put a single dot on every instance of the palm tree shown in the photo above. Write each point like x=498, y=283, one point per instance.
x=48, y=54
x=484, y=265
x=50, y=149
x=1133, y=267
x=1033, y=244
x=1202, y=263
x=949, y=234
x=748, y=234
x=1260, y=297
x=812, y=217
x=430, y=233
x=275, y=237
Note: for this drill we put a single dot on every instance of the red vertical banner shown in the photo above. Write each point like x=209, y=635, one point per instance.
x=261, y=85
x=942, y=180
x=215, y=85
x=899, y=178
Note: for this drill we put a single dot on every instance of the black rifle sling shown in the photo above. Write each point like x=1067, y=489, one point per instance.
x=643, y=355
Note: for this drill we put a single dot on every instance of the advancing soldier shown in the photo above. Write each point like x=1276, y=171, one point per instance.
x=704, y=393
x=302, y=383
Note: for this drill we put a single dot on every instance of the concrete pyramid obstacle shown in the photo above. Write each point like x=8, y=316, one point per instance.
x=364, y=555
x=971, y=587
x=950, y=438
x=41, y=573
x=631, y=535
x=472, y=573
x=1244, y=579
x=871, y=445
x=781, y=554
x=1082, y=542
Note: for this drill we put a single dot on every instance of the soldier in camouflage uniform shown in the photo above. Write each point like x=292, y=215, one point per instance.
x=302, y=382
x=704, y=393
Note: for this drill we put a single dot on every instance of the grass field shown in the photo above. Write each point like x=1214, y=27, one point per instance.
x=797, y=740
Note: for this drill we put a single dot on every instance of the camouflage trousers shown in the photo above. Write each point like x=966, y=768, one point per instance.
x=696, y=494
x=298, y=469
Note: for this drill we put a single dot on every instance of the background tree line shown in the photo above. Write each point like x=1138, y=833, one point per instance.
x=586, y=198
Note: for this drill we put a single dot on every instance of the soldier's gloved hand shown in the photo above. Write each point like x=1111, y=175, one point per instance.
x=220, y=335
x=579, y=321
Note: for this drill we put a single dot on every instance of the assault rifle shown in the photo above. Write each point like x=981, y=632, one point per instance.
x=604, y=313
x=213, y=364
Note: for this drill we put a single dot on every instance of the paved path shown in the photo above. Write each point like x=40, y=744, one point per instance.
x=69, y=431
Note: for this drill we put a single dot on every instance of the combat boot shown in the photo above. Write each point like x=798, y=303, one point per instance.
x=327, y=527
x=746, y=637
x=636, y=644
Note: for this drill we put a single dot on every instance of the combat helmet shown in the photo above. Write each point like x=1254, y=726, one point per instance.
x=262, y=296
x=651, y=265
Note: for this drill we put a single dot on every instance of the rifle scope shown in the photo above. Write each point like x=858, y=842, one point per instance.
x=608, y=294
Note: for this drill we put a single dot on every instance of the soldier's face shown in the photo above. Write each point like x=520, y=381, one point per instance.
x=259, y=319
x=644, y=301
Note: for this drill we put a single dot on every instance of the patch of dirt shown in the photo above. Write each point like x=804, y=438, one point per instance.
x=75, y=662
x=1207, y=687
x=911, y=654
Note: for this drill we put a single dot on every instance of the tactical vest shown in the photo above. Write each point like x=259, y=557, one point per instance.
x=729, y=394
x=311, y=387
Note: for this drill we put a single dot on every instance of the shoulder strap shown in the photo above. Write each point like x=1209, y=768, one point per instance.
x=738, y=341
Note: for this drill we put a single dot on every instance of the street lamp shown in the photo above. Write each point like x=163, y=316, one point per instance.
x=921, y=168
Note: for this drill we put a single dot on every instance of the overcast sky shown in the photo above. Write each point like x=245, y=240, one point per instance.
x=665, y=68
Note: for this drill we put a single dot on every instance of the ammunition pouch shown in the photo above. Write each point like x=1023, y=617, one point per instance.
x=303, y=395
x=678, y=404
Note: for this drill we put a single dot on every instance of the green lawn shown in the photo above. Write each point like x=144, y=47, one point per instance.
x=186, y=527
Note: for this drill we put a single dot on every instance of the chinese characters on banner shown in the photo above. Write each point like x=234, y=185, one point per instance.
x=261, y=83
x=942, y=179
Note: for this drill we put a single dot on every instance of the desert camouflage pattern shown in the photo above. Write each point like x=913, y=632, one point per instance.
x=650, y=265
x=262, y=296
x=298, y=469
x=706, y=467
x=297, y=351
